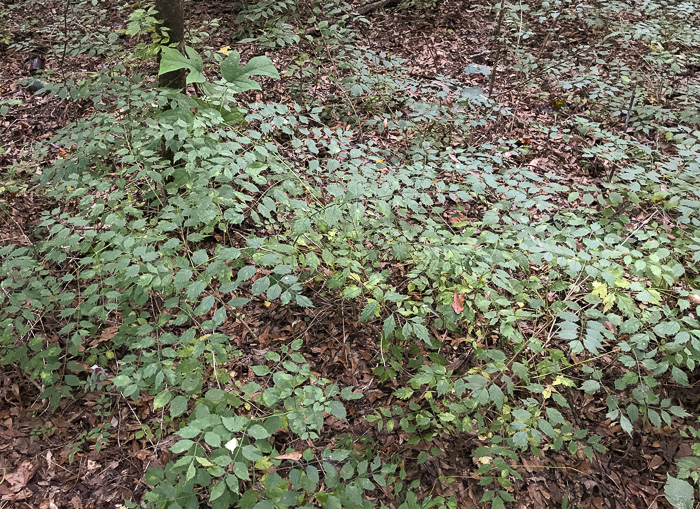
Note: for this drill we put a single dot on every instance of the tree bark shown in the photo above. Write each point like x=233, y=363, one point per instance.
x=172, y=14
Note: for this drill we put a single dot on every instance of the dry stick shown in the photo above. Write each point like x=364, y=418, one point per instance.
x=629, y=107
x=498, y=49
x=364, y=9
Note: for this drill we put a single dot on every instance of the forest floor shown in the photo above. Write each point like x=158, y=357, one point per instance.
x=46, y=459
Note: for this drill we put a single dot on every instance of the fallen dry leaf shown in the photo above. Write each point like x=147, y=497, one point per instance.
x=20, y=477
x=458, y=302
x=294, y=456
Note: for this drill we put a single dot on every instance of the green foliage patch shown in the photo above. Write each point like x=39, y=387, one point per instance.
x=444, y=247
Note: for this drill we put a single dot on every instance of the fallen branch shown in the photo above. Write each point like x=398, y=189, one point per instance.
x=367, y=8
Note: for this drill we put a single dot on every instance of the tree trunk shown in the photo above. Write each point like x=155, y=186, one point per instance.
x=172, y=14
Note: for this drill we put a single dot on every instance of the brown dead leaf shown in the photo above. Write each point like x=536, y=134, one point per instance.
x=20, y=477
x=294, y=456
x=458, y=302
x=457, y=218
x=656, y=462
x=106, y=335
x=694, y=298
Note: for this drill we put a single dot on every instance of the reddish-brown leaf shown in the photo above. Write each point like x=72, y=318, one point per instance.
x=458, y=302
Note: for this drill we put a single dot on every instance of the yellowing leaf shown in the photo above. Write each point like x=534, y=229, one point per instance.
x=600, y=289
x=263, y=463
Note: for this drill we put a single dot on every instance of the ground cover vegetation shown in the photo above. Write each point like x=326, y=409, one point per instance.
x=440, y=254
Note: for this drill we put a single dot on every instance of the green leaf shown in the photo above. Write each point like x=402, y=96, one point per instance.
x=212, y=439
x=546, y=428
x=260, y=286
x=274, y=292
x=680, y=376
x=496, y=395
x=520, y=439
x=521, y=371
x=194, y=290
x=229, y=253
x=590, y=386
x=652, y=296
x=189, y=431
x=347, y=394
x=370, y=310
x=667, y=328
x=245, y=273
x=332, y=502
x=521, y=414
x=424, y=376
x=351, y=292
x=477, y=69
x=199, y=257
x=237, y=302
x=403, y=393
x=250, y=452
x=238, y=75
x=680, y=494
x=490, y=217
x=389, y=326
x=332, y=215
x=258, y=432
x=178, y=406
x=626, y=424
x=240, y=470
x=654, y=417
x=235, y=423
x=182, y=446
x=172, y=60
x=261, y=370
x=121, y=380
x=337, y=409
x=555, y=416
x=303, y=301
x=217, y=490
x=215, y=394
x=422, y=333
x=162, y=399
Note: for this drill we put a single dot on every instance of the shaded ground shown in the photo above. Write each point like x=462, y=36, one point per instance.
x=51, y=460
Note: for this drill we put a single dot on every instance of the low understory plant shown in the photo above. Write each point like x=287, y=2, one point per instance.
x=545, y=292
